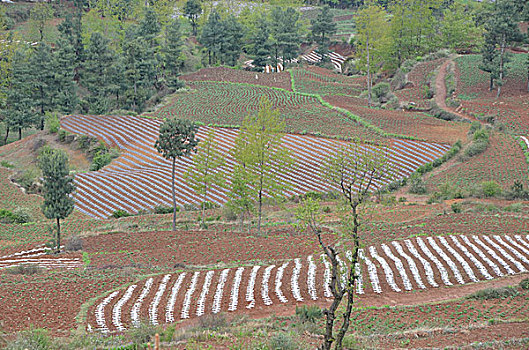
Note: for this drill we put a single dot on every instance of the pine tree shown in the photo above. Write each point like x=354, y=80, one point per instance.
x=42, y=81
x=258, y=150
x=205, y=173
x=490, y=59
x=322, y=29
x=193, y=9
x=40, y=14
x=57, y=186
x=172, y=51
x=64, y=64
x=231, y=43
x=97, y=73
x=71, y=31
x=286, y=33
x=176, y=140
x=503, y=30
x=211, y=36
x=261, y=48
x=20, y=114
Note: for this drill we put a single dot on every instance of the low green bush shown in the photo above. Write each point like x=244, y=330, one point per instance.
x=165, y=210
x=417, y=185
x=120, y=213
x=18, y=216
x=456, y=207
x=524, y=284
x=34, y=339
x=283, y=341
x=52, y=122
x=493, y=293
x=490, y=188
x=25, y=269
x=308, y=313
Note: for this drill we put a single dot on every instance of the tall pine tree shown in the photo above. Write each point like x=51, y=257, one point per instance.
x=322, y=29
x=261, y=48
x=64, y=64
x=172, y=52
x=42, y=81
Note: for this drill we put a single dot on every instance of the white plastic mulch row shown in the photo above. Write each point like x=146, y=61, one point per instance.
x=439, y=258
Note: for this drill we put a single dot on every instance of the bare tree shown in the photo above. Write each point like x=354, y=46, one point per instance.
x=356, y=170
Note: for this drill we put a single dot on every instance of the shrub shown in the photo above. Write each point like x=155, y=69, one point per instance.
x=475, y=126
x=417, y=185
x=476, y=148
x=490, y=188
x=524, y=284
x=517, y=191
x=52, y=122
x=229, y=213
x=25, y=269
x=456, y=207
x=62, y=135
x=165, y=210
x=100, y=160
x=283, y=341
x=213, y=322
x=21, y=216
x=493, y=293
x=34, y=339
x=120, y=213
x=74, y=244
x=308, y=313
x=6, y=164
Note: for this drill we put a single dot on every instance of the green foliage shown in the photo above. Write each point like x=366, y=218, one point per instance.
x=459, y=30
x=493, y=293
x=172, y=52
x=322, y=29
x=456, y=207
x=18, y=216
x=41, y=13
x=283, y=341
x=57, y=186
x=6, y=164
x=491, y=188
x=205, y=173
x=52, y=122
x=165, y=210
x=120, y=213
x=100, y=160
x=517, y=191
x=34, y=339
x=417, y=185
x=258, y=153
x=524, y=284
x=192, y=10
x=310, y=313
x=177, y=138
x=285, y=36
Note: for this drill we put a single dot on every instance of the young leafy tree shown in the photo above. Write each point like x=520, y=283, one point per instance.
x=172, y=51
x=242, y=200
x=372, y=41
x=258, y=149
x=176, y=140
x=490, y=59
x=205, y=172
x=57, y=187
x=322, y=29
x=356, y=170
x=458, y=28
x=193, y=9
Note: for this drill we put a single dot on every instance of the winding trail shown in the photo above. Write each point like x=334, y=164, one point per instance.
x=440, y=94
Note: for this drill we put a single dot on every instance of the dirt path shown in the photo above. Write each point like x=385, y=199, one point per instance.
x=440, y=94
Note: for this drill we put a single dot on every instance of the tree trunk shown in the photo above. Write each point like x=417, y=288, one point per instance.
x=173, y=194
x=20, y=133
x=502, y=53
x=58, y=236
x=491, y=82
x=7, y=135
x=260, y=210
x=368, y=74
x=204, y=202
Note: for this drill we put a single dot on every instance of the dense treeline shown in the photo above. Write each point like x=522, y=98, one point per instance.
x=112, y=55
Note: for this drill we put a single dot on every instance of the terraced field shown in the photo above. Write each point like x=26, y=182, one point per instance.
x=315, y=80
x=415, y=124
x=228, y=104
x=140, y=178
x=412, y=264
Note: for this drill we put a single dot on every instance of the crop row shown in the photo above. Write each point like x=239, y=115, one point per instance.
x=140, y=178
x=419, y=263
